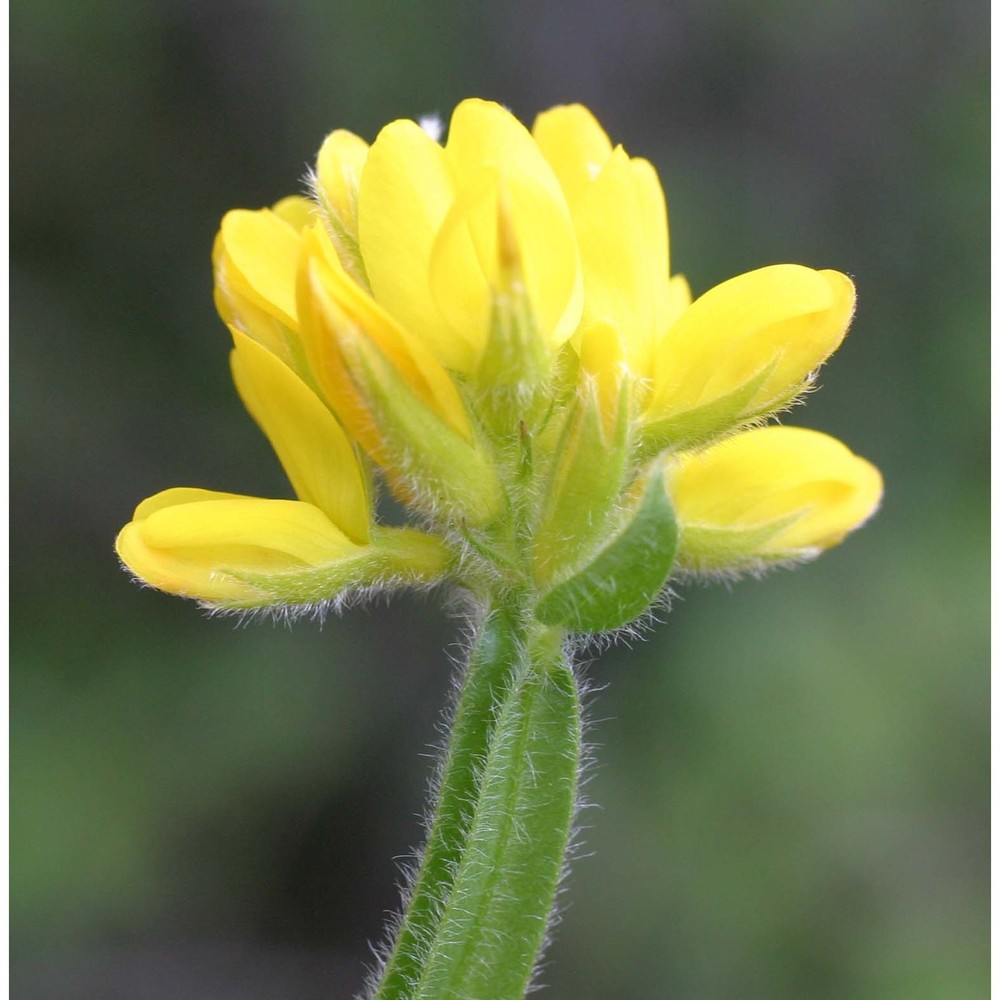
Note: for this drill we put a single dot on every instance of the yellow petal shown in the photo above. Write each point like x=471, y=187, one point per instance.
x=238, y=306
x=489, y=150
x=406, y=191
x=616, y=261
x=484, y=134
x=313, y=449
x=786, y=317
x=267, y=533
x=575, y=145
x=792, y=491
x=195, y=543
x=339, y=165
x=466, y=260
x=297, y=211
x=676, y=299
x=261, y=253
x=176, y=496
x=655, y=240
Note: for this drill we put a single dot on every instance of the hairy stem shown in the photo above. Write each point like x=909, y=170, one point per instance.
x=482, y=899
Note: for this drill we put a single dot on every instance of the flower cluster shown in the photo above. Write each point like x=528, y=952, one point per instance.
x=490, y=328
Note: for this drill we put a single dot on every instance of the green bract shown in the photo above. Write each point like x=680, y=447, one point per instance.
x=627, y=574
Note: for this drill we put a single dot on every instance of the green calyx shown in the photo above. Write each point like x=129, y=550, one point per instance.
x=394, y=557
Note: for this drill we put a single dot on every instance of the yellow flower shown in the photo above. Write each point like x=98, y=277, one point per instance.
x=620, y=218
x=231, y=551
x=490, y=327
x=744, y=349
x=493, y=322
x=768, y=495
x=254, y=260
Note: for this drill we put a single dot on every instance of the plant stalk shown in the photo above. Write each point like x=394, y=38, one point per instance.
x=480, y=904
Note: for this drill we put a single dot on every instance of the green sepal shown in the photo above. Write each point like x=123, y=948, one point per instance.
x=426, y=460
x=511, y=386
x=494, y=922
x=584, y=484
x=626, y=576
x=515, y=356
x=344, y=241
x=710, y=550
x=394, y=557
x=703, y=424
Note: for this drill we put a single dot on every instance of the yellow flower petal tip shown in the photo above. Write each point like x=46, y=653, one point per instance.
x=576, y=146
x=767, y=495
x=256, y=257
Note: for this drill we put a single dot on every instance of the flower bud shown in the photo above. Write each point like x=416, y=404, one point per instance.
x=197, y=543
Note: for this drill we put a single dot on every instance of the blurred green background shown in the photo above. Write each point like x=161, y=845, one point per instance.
x=791, y=774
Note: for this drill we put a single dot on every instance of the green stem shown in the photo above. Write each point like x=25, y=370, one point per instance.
x=482, y=899
x=492, y=665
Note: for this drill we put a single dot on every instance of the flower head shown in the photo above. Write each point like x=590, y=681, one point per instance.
x=491, y=327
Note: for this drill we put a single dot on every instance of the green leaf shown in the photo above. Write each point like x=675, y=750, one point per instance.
x=626, y=575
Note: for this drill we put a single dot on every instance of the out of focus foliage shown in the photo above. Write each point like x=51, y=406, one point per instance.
x=791, y=775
